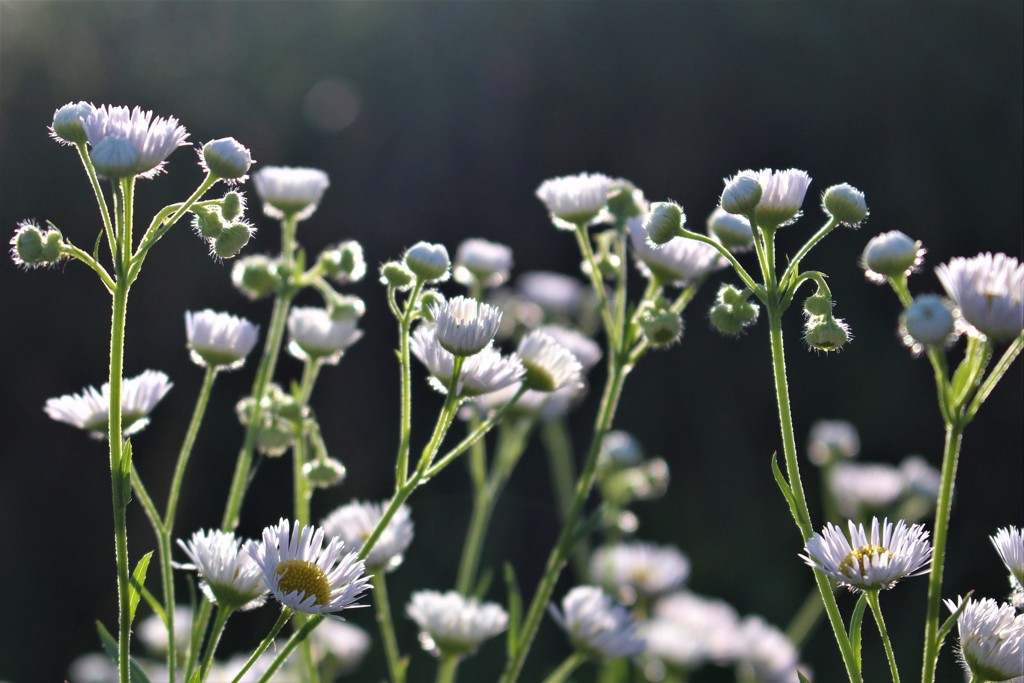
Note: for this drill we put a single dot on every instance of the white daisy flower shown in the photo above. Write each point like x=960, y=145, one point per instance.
x=315, y=335
x=870, y=562
x=688, y=630
x=549, y=365
x=638, y=568
x=575, y=200
x=231, y=578
x=556, y=293
x=782, y=195
x=889, y=255
x=345, y=644
x=353, y=523
x=305, y=575
x=766, y=653
x=597, y=626
x=679, y=261
x=920, y=478
x=465, y=326
x=153, y=139
x=860, y=488
x=452, y=624
x=478, y=260
x=219, y=339
x=153, y=632
x=482, y=373
x=989, y=291
x=69, y=123
x=587, y=351
x=1009, y=543
x=832, y=440
x=545, y=405
x=288, y=191
x=991, y=639
x=90, y=409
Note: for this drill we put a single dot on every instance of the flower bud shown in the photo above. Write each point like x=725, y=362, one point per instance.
x=890, y=255
x=232, y=206
x=256, y=276
x=731, y=319
x=324, y=473
x=730, y=295
x=825, y=333
x=625, y=200
x=395, y=274
x=928, y=321
x=232, y=239
x=741, y=194
x=664, y=221
x=115, y=157
x=346, y=307
x=32, y=247
x=733, y=232
x=344, y=263
x=846, y=204
x=662, y=328
x=207, y=222
x=69, y=123
x=226, y=158
x=428, y=261
x=431, y=299
x=818, y=305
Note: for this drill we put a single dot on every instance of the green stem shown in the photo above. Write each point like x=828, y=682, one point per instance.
x=748, y=281
x=88, y=260
x=163, y=222
x=565, y=669
x=471, y=438
x=211, y=648
x=148, y=506
x=286, y=614
x=405, y=419
x=90, y=171
x=583, y=241
x=186, y=447
x=993, y=378
x=447, y=667
x=297, y=637
x=794, y=263
x=199, y=623
x=387, y=628
x=118, y=476
x=950, y=456
x=557, y=442
x=876, y=610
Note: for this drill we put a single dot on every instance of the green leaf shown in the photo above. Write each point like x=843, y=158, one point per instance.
x=856, y=620
x=948, y=625
x=483, y=584
x=803, y=679
x=784, y=487
x=110, y=647
x=136, y=584
x=586, y=527
x=126, y=472
x=96, y=247
x=515, y=608
x=197, y=675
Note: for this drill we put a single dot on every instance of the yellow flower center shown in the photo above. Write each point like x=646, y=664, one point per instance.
x=305, y=577
x=858, y=555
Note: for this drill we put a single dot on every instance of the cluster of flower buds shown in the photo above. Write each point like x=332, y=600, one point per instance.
x=280, y=419
x=222, y=225
x=625, y=475
x=822, y=330
x=33, y=247
x=733, y=311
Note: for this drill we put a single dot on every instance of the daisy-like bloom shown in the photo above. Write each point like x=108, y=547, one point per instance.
x=679, y=261
x=732, y=231
x=587, y=351
x=597, y=626
x=231, y=579
x=353, y=523
x=860, y=488
x=465, y=326
x=688, y=630
x=890, y=255
x=478, y=260
x=549, y=365
x=782, y=195
x=69, y=123
x=765, y=652
x=343, y=643
x=991, y=639
x=575, y=200
x=638, y=568
x=90, y=410
x=870, y=562
x=545, y=405
x=453, y=624
x=831, y=441
x=482, y=373
x=152, y=138
x=989, y=291
x=288, y=191
x=556, y=293
x=1009, y=543
x=305, y=575
x=226, y=158
x=315, y=335
x=219, y=339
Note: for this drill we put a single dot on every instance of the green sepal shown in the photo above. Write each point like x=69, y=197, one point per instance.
x=110, y=647
x=515, y=609
x=949, y=623
x=803, y=679
x=856, y=620
x=137, y=584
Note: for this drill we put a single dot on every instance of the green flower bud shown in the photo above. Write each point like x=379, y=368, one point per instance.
x=232, y=206
x=32, y=247
x=664, y=221
x=730, y=295
x=256, y=276
x=226, y=158
x=731, y=319
x=662, y=328
x=428, y=261
x=69, y=123
x=625, y=200
x=207, y=222
x=818, y=305
x=344, y=263
x=734, y=232
x=889, y=255
x=324, y=473
x=741, y=194
x=232, y=239
x=846, y=204
x=346, y=307
x=430, y=298
x=395, y=274
x=826, y=333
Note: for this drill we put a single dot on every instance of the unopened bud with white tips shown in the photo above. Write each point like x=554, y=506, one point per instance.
x=928, y=321
x=664, y=221
x=428, y=261
x=69, y=123
x=891, y=255
x=845, y=204
x=732, y=231
x=662, y=328
x=226, y=158
x=742, y=193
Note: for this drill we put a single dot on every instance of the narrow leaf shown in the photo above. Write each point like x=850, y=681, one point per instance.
x=484, y=584
x=856, y=620
x=587, y=527
x=136, y=584
x=948, y=625
x=110, y=647
x=197, y=675
x=784, y=487
x=126, y=472
x=515, y=608
x=803, y=679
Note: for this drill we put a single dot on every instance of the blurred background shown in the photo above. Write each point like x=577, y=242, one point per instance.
x=437, y=121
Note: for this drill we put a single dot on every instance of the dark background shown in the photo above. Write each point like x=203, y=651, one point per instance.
x=437, y=121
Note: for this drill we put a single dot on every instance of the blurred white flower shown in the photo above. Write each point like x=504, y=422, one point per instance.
x=288, y=191
x=638, y=568
x=991, y=639
x=597, y=626
x=353, y=523
x=453, y=624
x=152, y=139
x=575, y=200
x=219, y=339
x=90, y=409
x=989, y=291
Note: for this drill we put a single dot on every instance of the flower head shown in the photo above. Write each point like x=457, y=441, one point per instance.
x=870, y=562
x=575, y=200
x=556, y=293
x=596, y=625
x=478, y=260
x=315, y=334
x=688, y=630
x=482, y=373
x=991, y=639
x=782, y=195
x=679, y=261
x=231, y=579
x=845, y=204
x=90, y=409
x=587, y=351
x=889, y=255
x=151, y=138
x=989, y=291
x=865, y=487
x=226, y=158
x=353, y=523
x=219, y=339
x=344, y=643
x=732, y=231
x=288, y=191
x=453, y=624
x=766, y=652
x=549, y=365
x=638, y=568
x=1009, y=543
x=465, y=326
x=428, y=261
x=305, y=575
x=69, y=123
x=832, y=440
